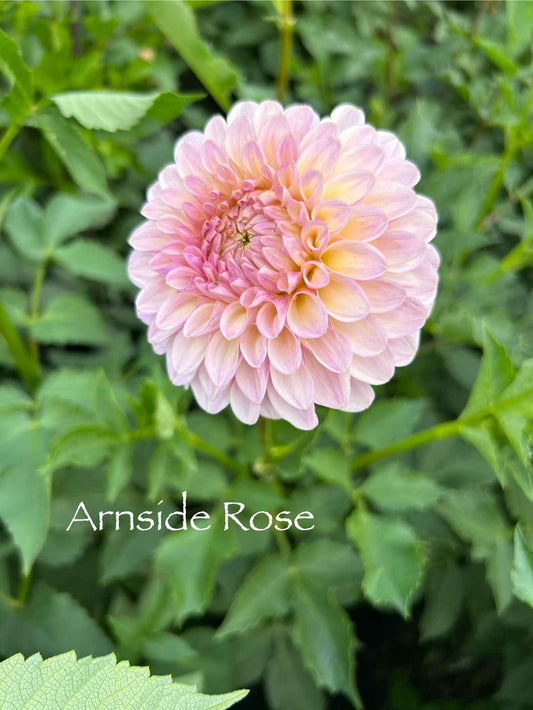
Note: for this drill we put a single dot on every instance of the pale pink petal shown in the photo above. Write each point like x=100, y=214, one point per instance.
x=402, y=250
x=212, y=406
x=404, y=320
x=300, y=418
x=393, y=199
x=416, y=222
x=296, y=389
x=346, y=116
x=383, y=295
x=375, y=370
x=365, y=224
x=332, y=350
x=139, y=269
x=390, y=144
x=175, y=309
x=344, y=298
x=355, y=259
x=334, y=213
x=331, y=389
x=284, y=352
x=243, y=408
x=350, y=186
x=315, y=274
x=186, y=354
x=361, y=396
x=233, y=320
x=253, y=346
x=397, y=170
x=367, y=337
x=252, y=381
x=301, y=120
x=315, y=236
x=404, y=349
x=270, y=320
x=221, y=359
x=307, y=317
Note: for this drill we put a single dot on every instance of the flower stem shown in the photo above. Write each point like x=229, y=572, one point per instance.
x=286, y=25
x=205, y=447
x=24, y=588
x=440, y=431
x=28, y=368
x=7, y=138
x=35, y=298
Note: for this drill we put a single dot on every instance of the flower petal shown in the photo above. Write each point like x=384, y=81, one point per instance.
x=284, y=352
x=375, y=370
x=307, y=317
x=344, y=299
x=221, y=359
x=355, y=259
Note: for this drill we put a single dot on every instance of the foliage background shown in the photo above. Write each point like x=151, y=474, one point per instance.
x=416, y=588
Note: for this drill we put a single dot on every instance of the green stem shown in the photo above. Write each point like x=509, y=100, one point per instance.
x=35, y=298
x=439, y=431
x=205, y=447
x=29, y=369
x=286, y=25
x=7, y=138
x=24, y=588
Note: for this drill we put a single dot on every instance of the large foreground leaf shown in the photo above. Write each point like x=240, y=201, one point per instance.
x=120, y=110
x=177, y=22
x=62, y=682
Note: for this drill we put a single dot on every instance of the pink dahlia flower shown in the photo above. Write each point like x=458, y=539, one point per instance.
x=285, y=262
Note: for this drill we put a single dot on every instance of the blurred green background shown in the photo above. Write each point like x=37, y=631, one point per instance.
x=416, y=588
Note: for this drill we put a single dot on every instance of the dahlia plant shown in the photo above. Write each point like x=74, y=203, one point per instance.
x=285, y=262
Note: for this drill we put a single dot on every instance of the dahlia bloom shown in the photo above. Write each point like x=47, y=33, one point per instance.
x=285, y=262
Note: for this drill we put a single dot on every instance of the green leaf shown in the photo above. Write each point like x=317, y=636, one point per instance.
x=395, y=487
x=177, y=22
x=189, y=561
x=334, y=565
x=499, y=565
x=24, y=492
x=522, y=572
x=101, y=682
x=81, y=161
x=519, y=26
x=120, y=110
x=24, y=226
x=25, y=510
x=51, y=622
x=67, y=215
x=475, y=516
x=507, y=397
x=496, y=53
x=119, y=471
x=326, y=639
x=331, y=466
x=443, y=601
x=392, y=556
x=496, y=372
x=288, y=684
x=69, y=318
x=264, y=594
x=126, y=551
x=82, y=447
x=18, y=103
x=387, y=421
x=92, y=260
